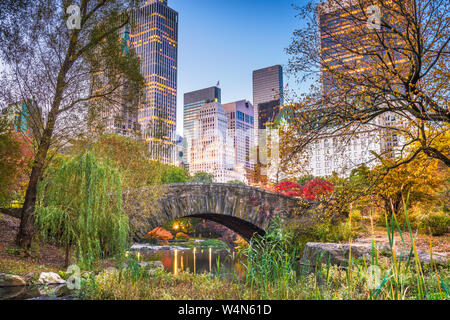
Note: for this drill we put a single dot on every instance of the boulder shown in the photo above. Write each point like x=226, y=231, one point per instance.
x=335, y=253
x=152, y=265
x=424, y=257
x=51, y=278
x=10, y=280
x=338, y=254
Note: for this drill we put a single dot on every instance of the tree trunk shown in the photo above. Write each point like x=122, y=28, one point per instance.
x=26, y=230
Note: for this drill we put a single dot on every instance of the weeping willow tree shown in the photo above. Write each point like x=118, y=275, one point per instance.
x=79, y=207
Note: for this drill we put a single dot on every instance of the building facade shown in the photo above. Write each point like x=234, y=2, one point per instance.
x=345, y=150
x=154, y=39
x=343, y=24
x=267, y=96
x=340, y=153
x=241, y=129
x=24, y=117
x=212, y=148
x=193, y=102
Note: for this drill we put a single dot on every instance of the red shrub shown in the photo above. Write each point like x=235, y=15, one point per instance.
x=313, y=190
x=317, y=189
x=289, y=188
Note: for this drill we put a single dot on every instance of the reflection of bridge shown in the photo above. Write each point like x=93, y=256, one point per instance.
x=243, y=209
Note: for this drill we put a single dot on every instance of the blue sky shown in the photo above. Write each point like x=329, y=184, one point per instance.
x=226, y=40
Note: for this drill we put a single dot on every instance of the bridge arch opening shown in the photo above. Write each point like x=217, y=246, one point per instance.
x=243, y=228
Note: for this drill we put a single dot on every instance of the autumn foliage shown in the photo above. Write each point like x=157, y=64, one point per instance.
x=16, y=155
x=314, y=190
x=182, y=236
x=289, y=188
x=317, y=189
x=160, y=234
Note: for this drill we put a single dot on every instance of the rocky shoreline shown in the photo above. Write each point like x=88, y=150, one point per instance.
x=336, y=254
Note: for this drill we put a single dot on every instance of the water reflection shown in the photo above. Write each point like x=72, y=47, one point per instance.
x=33, y=292
x=198, y=261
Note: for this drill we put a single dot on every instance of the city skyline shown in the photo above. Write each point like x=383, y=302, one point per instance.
x=232, y=55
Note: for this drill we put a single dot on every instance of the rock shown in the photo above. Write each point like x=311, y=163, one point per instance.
x=10, y=280
x=424, y=257
x=152, y=265
x=338, y=254
x=50, y=278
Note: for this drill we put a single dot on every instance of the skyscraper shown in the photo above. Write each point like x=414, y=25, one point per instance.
x=193, y=102
x=241, y=130
x=212, y=148
x=343, y=26
x=267, y=96
x=154, y=39
x=341, y=151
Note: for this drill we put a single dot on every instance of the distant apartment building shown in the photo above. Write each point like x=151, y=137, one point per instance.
x=267, y=96
x=241, y=129
x=180, y=151
x=212, y=149
x=341, y=152
x=24, y=117
x=193, y=102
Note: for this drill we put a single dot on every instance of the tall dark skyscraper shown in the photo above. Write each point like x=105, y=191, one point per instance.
x=193, y=101
x=340, y=22
x=267, y=96
x=154, y=39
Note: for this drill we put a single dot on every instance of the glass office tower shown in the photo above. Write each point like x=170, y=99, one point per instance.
x=154, y=38
x=267, y=91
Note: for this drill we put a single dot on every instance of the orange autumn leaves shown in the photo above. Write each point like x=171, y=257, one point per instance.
x=16, y=155
x=160, y=234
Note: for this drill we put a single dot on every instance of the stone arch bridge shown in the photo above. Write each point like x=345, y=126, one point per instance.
x=245, y=210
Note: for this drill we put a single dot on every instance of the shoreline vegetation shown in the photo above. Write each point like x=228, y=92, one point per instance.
x=271, y=274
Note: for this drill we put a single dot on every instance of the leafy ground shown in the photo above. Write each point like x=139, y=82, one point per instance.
x=16, y=261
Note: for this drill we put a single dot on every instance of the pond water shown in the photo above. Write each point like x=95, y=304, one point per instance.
x=197, y=260
x=174, y=259
x=50, y=292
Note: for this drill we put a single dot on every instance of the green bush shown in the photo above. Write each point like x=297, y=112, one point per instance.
x=315, y=229
x=436, y=223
